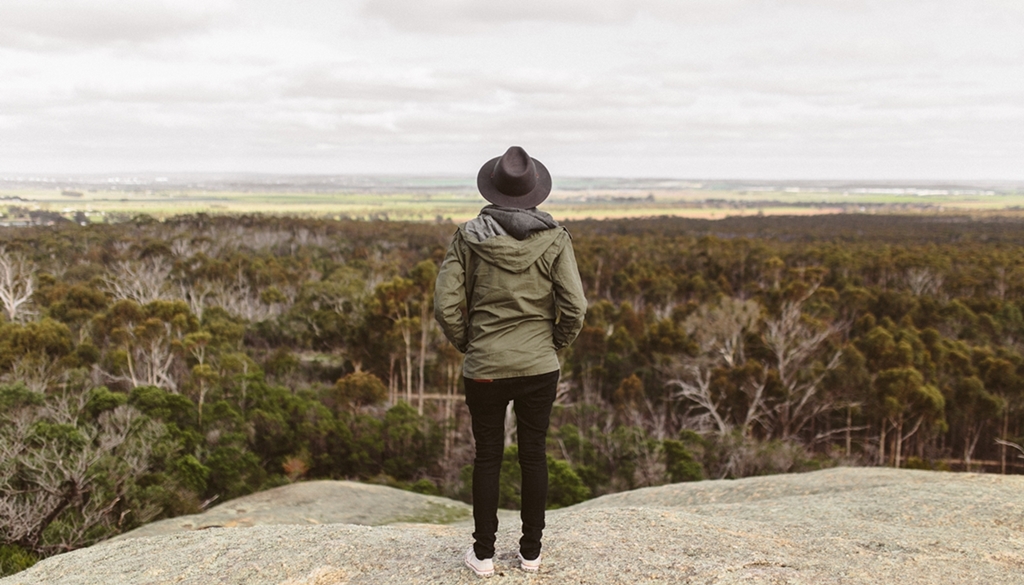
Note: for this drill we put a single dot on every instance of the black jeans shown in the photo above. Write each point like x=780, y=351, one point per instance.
x=532, y=397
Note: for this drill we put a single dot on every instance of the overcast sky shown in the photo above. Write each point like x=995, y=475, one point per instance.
x=783, y=89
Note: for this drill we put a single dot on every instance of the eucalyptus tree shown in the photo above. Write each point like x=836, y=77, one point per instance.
x=17, y=284
x=800, y=354
x=65, y=478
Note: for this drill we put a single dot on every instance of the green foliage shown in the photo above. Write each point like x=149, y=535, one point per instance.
x=16, y=396
x=101, y=399
x=164, y=405
x=927, y=465
x=410, y=445
x=191, y=473
x=73, y=466
x=357, y=389
x=281, y=363
x=367, y=445
x=565, y=487
x=680, y=463
x=75, y=304
x=284, y=339
x=425, y=486
x=65, y=437
x=46, y=338
x=14, y=559
x=510, y=484
x=234, y=471
x=465, y=491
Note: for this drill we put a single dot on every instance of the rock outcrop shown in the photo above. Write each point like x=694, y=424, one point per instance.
x=845, y=525
x=316, y=502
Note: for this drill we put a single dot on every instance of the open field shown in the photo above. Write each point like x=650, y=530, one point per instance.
x=425, y=199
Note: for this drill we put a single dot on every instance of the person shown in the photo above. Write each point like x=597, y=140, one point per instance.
x=514, y=270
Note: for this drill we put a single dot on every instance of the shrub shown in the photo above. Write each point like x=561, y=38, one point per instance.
x=14, y=559
x=355, y=390
x=926, y=464
x=735, y=455
x=680, y=464
x=425, y=486
x=565, y=488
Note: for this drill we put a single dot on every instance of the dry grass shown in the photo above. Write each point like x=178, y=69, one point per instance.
x=459, y=206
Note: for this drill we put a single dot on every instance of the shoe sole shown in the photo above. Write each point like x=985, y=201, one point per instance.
x=528, y=568
x=478, y=572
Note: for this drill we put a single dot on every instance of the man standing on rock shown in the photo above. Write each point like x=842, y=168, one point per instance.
x=514, y=270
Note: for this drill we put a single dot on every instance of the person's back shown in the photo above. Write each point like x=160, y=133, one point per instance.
x=516, y=288
x=514, y=269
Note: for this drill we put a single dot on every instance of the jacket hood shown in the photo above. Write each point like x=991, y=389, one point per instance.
x=520, y=223
x=505, y=251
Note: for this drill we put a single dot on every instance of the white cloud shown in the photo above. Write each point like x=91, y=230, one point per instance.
x=484, y=17
x=858, y=88
x=57, y=24
x=469, y=15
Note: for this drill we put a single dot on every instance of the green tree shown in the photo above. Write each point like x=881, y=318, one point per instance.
x=680, y=464
x=564, y=487
x=394, y=299
x=904, y=397
x=355, y=390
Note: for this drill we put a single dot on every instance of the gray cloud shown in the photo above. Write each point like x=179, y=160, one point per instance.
x=480, y=17
x=469, y=15
x=742, y=88
x=56, y=24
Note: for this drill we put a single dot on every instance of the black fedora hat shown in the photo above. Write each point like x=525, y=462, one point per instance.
x=514, y=180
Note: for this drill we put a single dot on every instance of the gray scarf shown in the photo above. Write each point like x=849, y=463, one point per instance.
x=520, y=223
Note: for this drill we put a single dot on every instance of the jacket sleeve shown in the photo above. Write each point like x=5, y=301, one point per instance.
x=569, y=298
x=450, y=296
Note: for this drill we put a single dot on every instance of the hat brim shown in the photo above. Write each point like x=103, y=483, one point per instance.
x=532, y=199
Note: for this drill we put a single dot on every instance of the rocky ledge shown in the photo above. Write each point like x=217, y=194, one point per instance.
x=844, y=525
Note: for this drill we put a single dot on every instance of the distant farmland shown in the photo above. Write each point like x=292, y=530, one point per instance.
x=100, y=199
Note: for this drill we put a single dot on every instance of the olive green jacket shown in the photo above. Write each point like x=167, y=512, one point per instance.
x=525, y=301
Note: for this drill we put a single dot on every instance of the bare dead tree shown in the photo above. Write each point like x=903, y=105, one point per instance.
x=122, y=247
x=796, y=348
x=923, y=281
x=153, y=359
x=17, y=284
x=38, y=371
x=260, y=240
x=79, y=482
x=150, y=357
x=142, y=281
x=1000, y=285
x=241, y=299
x=510, y=425
x=757, y=404
x=188, y=248
x=718, y=329
x=654, y=421
x=305, y=237
x=180, y=248
x=1013, y=445
x=694, y=385
x=195, y=294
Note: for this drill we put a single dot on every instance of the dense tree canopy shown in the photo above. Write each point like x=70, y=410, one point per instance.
x=149, y=369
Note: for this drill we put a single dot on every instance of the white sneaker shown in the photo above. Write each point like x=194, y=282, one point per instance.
x=483, y=568
x=532, y=566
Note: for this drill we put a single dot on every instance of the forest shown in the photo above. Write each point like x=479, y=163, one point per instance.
x=150, y=369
